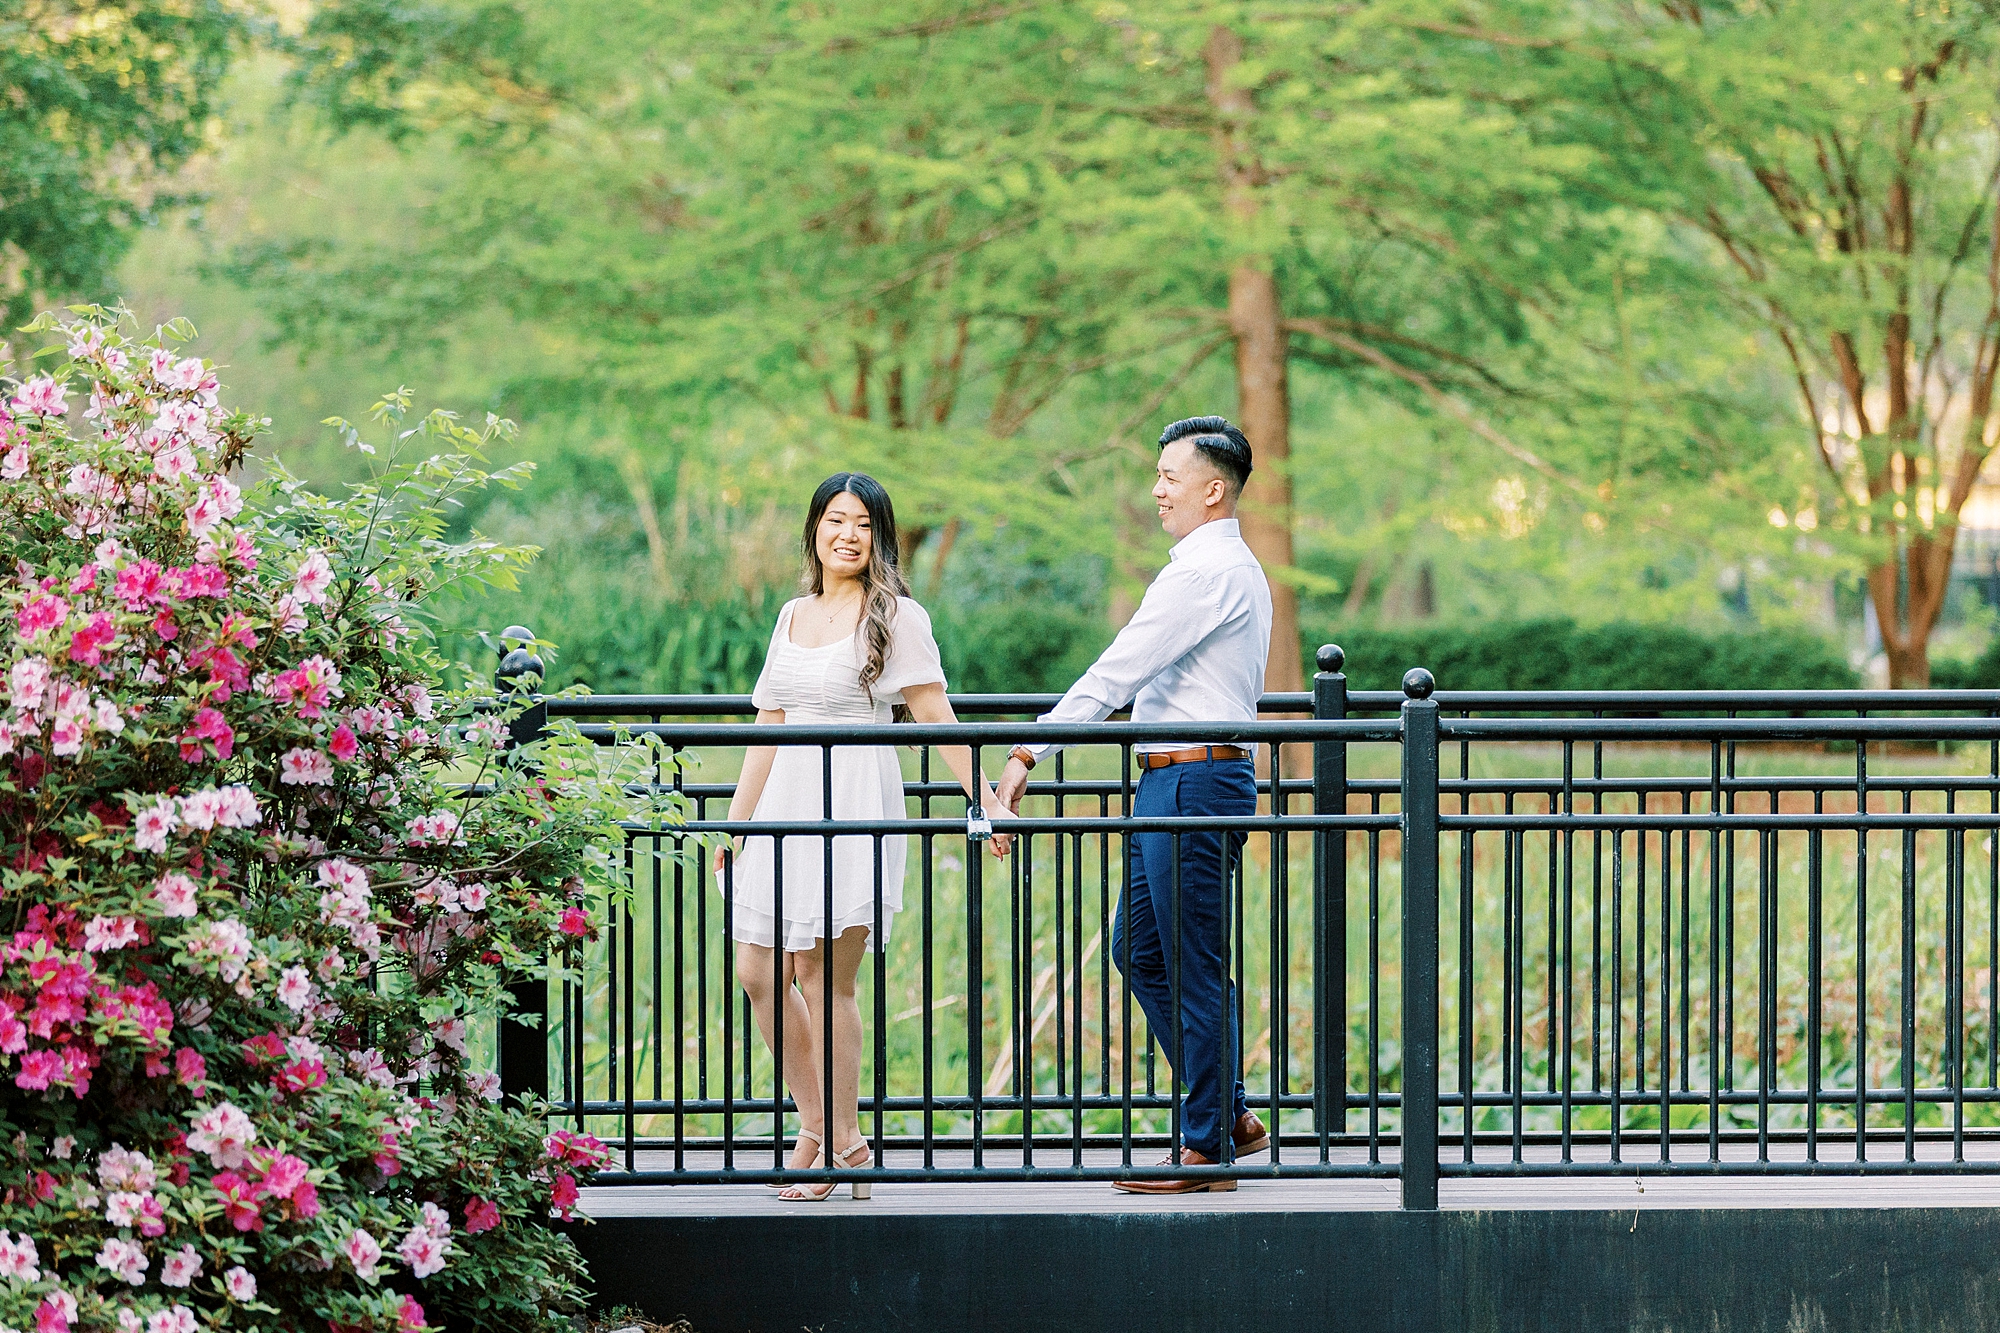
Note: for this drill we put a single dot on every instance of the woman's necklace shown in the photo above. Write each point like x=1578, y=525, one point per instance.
x=839, y=610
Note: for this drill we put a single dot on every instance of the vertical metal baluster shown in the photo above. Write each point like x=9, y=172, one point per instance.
x=928, y=963
x=1329, y=908
x=1716, y=1056
x=826, y=959
x=1076, y=930
x=1639, y=794
x=1665, y=1080
x=975, y=998
x=1418, y=1118
x=1687, y=941
x=1909, y=987
x=1954, y=986
x=779, y=998
x=1127, y=850
x=1024, y=1061
x=1177, y=1059
x=1729, y=924
x=1816, y=971
x=1568, y=952
x=1468, y=1037
x=1767, y=979
x=1993, y=916
x=1617, y=991
x=1375, y=983
x=880, y=1046
x=728, y=1009
x=631, y=1026
x=1596, y=914
x=1519, y=931
x=612, y=995
x=1278, y=1020
x=1861, y=950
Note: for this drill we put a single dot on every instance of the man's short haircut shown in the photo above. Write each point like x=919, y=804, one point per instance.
x=1224, y=446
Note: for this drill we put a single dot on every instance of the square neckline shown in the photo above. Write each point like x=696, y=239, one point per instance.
x=816, y=648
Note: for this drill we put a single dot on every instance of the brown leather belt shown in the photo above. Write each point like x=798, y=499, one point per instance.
x=1197, y=754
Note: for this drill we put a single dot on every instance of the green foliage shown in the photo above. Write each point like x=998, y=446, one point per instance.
x=99, y=101
x=1559, y=654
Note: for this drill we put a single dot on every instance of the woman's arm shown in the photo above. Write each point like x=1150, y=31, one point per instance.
x=927, y=703
x=750, y=783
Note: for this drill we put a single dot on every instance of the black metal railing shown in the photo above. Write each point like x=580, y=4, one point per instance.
x=1589, y=933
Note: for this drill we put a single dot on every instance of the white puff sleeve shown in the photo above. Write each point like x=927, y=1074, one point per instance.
x=764, y=694
x=913, y=654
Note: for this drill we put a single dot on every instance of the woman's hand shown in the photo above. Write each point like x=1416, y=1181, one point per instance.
x=1001, y=843
x=733, y=847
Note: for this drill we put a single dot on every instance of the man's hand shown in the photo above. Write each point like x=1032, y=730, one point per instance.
x=1013, y=782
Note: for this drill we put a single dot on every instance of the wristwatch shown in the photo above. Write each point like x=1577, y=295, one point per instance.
x=1022, y=753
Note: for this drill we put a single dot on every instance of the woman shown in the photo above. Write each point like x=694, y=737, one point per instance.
x=850, y=650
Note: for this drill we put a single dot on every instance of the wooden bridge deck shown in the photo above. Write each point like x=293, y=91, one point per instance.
x=1646, y=1187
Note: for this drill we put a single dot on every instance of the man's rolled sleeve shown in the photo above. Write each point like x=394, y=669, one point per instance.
x=1179, y=610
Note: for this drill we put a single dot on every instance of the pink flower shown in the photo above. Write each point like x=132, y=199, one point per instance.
x=105, y=934
x=224, y=1133
x=240, y=1285
x=39, y=613
x=481, y=1215
x=312, y=685
x=300, y=1076
x=239, y=1201
x=175, y=894
x=28, y=680
x=575, y=921
x=409, y=1316
x=307, y=768
x=55, y=1312
x=562, y=1195
x=42, y=397
x=139, y=584
x=151, y=825
x=87, y=645
x=125, y=1259
x=295, y=989
x=364, y=1252
x=38, y=1070
x=14, y=464
x=313, y=578
x=18, y=1259
x=342, y=743
x=173, y=1319
x=423, y=1252
x=211, y=727
x=191, y=1070
x=180, y=1268
x=173, y=464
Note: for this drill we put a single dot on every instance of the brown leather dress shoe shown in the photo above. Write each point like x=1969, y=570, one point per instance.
x=1250, y=1135
x=1189, y=1157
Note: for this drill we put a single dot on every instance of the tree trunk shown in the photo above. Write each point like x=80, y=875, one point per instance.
x=1263, y=402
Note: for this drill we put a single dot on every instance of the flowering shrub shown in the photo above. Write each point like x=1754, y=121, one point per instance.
x=258, y=873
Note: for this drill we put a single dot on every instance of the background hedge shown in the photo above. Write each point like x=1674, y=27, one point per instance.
x=1562, y=655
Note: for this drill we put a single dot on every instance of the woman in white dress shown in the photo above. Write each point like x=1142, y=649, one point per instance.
x=853, y=649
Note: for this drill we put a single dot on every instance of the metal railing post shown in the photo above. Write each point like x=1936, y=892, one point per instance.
x=524, y=1045
x=1330, y=904
x=1420, y=942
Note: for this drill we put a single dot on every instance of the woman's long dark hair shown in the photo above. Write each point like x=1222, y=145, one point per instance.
x=881, y=582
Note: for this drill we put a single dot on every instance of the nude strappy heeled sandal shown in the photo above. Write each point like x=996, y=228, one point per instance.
x=804, y=1134
x=820, y=1193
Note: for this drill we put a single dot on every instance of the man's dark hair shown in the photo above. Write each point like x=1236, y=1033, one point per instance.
x=1224, y=446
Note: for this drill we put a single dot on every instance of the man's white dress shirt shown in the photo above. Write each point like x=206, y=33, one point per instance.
x=1194, y=651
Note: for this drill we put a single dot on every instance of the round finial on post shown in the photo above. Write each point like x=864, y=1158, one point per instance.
x=518, y=661
x=1418, y=683
x=1331, y=657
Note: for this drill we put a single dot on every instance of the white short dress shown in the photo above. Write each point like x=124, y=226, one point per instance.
x=824, y=685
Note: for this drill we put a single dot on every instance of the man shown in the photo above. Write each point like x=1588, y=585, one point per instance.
x=1194, y=652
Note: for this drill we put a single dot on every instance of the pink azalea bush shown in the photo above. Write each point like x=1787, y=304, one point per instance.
x=261, y=876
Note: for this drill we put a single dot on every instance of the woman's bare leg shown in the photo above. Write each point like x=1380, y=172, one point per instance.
x=848, y=951
x=802, y=1054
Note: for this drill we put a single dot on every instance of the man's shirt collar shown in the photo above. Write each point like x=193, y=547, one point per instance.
x=1213, y=530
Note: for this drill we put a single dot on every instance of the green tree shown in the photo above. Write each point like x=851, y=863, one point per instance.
x=100, y=101
x=1838, y=163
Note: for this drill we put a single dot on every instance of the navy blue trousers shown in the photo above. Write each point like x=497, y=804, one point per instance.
x=1142, y=940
